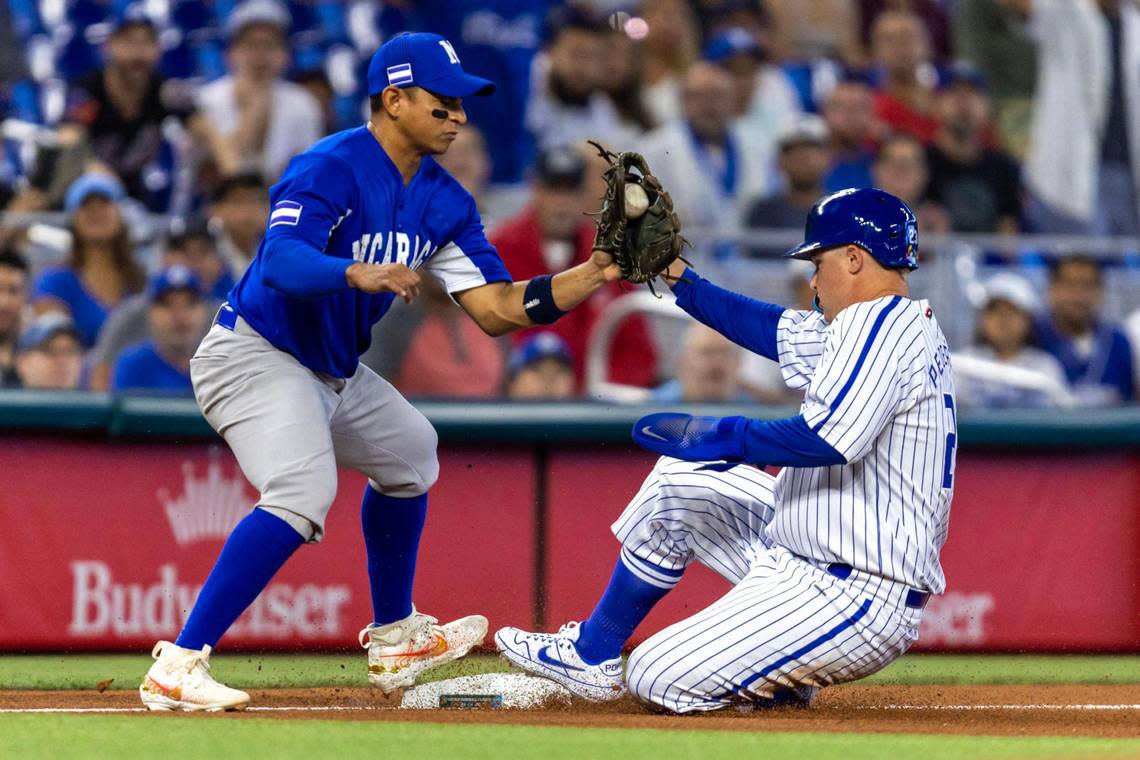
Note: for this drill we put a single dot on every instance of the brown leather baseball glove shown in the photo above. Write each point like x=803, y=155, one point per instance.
x=644, y=244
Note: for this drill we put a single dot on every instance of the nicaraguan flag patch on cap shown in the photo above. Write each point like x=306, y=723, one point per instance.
x=285, y=212
x=400, y=74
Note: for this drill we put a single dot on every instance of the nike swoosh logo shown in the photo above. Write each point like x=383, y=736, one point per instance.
x=646, y=431
x=433, y=650
x=173, y=692
x=544, y=657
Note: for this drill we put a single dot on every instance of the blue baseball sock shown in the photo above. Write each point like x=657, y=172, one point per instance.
x=392, y=528
x=254, y=552
x=625, y=603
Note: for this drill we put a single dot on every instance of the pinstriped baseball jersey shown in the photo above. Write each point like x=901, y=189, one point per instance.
x=879, y=389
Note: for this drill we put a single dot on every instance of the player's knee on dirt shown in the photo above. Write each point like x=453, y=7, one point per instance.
x=639, y=681
x=639, y=675
x=658, y=678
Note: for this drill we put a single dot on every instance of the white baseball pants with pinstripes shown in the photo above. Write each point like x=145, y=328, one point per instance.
x=786, y=623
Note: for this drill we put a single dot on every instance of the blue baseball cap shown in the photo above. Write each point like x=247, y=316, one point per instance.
x=177, y=277
x=544, y=345
x=92, y=183
x=733, y=41
x=420, y=59
x=43, y=328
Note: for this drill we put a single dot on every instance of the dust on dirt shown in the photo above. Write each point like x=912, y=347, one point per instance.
x=1020, y=710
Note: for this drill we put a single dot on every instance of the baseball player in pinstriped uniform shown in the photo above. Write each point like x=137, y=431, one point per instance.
x=278, y=376
x=832, y=560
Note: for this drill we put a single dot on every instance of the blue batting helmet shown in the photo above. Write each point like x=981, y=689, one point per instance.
x=868, y=217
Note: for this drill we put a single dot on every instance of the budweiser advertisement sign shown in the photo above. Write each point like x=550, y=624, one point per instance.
x=108, y=546
x=105, y=546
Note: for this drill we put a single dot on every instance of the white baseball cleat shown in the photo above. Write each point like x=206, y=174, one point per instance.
x=399, y=652
x=180, y=679
x=555, y=656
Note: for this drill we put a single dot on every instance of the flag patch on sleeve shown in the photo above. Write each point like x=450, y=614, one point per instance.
x=285, y=212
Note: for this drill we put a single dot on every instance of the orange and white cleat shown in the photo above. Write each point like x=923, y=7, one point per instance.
x=180, y=679
x=399, y=652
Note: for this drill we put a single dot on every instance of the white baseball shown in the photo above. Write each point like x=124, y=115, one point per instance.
x=636, y=200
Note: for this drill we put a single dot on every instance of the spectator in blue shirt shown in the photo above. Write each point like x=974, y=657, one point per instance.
x=189, y=244
x=177, y=318
x=1095, y=355
x=102, y=270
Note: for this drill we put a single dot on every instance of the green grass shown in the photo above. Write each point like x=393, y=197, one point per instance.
x=266, y=671
x=981, y=669
x=62, y=736
x=101, y=736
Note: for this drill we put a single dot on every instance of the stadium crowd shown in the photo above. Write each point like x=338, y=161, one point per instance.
x=141, y=139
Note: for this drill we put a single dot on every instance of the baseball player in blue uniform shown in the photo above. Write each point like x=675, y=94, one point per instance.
x=832, y=560
x=353, y=222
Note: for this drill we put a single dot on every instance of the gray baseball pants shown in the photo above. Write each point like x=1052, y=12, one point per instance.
x=290, y=428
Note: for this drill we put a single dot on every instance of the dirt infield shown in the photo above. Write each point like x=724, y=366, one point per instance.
x=1045, y=710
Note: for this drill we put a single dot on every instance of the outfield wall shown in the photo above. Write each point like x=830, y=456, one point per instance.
x=113, y=512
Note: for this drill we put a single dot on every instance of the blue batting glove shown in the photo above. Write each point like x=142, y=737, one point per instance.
x=694, y=439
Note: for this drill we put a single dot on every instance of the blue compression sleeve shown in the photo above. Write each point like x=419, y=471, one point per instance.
x=788, y=442
x=297, y=269
x=743, y=320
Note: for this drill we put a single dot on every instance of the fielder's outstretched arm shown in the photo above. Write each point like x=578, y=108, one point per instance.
x=502, y=307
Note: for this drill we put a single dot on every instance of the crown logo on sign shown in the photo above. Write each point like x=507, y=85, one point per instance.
x=208, y=507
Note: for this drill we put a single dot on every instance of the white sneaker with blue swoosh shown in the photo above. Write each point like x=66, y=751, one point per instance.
x=555, y=656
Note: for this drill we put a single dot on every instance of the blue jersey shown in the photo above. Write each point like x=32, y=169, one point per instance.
x=142, y=368
x=87, y=311
x=344, y=201
x=1101, y=377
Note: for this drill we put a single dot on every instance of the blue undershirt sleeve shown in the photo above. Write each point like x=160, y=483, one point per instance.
x=297, y=269
x=789, y=442
x=316, y=193
x=743, y=320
